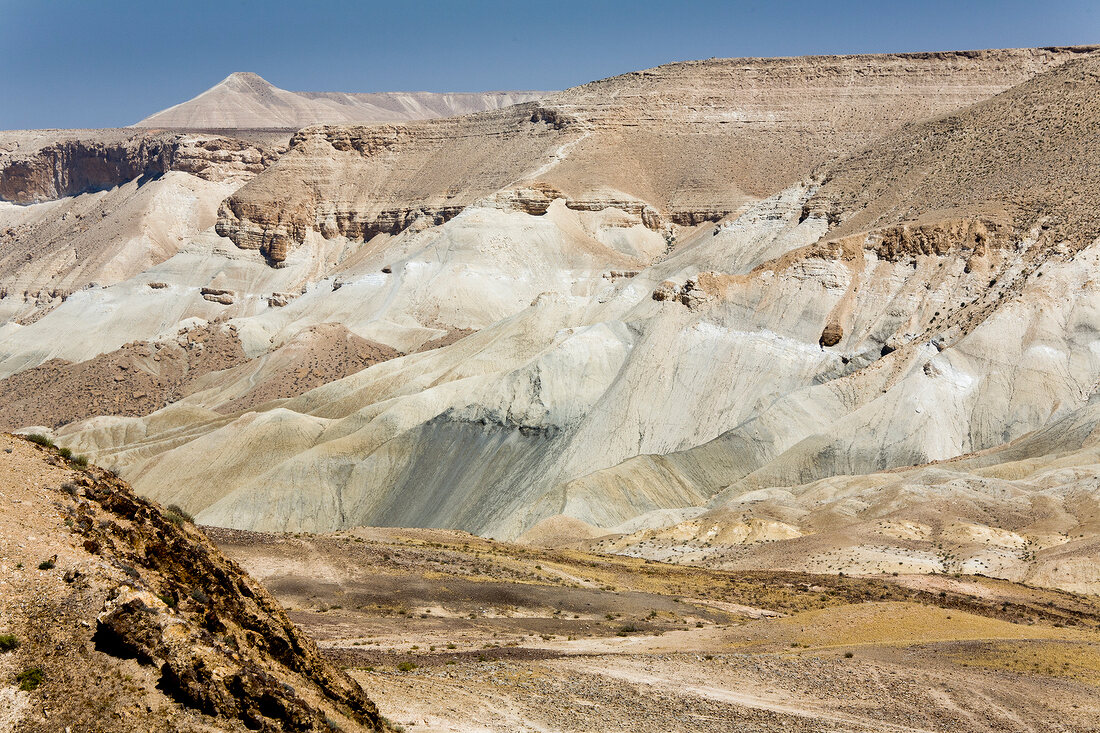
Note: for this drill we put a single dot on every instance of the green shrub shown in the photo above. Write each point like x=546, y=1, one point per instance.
x=628, y=629
x=406, y=667
x=80, y=461
x=30, y=679
x=65, y=453
x=47, y=564
x=198, y=595
x=177, y=515
x=8, y=642
x=848, y=655
x=41, y=439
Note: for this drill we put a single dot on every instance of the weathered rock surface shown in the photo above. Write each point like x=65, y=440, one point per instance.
x=135, y=620
x=38, y=166
x=628, y=361
x=693, y=141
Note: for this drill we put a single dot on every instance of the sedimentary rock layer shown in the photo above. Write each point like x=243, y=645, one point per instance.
x=694, y=141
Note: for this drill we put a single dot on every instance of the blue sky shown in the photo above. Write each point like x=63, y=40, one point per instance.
x=85, y=63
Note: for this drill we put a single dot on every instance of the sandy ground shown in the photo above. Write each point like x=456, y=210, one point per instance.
x=449, y=632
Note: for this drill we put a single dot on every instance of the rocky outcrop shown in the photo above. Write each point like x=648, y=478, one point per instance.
x=217, y=295
x=133, y=582
x=681, y=144
x=43, y=168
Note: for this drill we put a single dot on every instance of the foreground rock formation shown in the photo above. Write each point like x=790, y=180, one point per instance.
x=119, y=615
x=820, y=314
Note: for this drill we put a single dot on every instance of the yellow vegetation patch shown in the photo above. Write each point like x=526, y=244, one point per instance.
x=1068, y=659
x=892, y=623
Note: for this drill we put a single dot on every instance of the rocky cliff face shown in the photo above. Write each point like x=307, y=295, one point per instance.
x=130, y=618
x=38, y=167
x=694, y=141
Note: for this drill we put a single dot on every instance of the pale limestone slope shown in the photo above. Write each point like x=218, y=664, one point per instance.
x=246, y=100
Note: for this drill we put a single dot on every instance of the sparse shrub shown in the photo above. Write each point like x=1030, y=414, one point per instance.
x=199, y=596
x=70, y=488
x=41, y=439
x=177, y=515
x=8, y=642
x=47, y=564
x=406, y=667
x=30, y=679
x=627, y=629
x=80, y=461
x=65, y=453
x=848, y=655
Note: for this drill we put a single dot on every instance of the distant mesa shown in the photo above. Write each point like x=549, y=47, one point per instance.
x=244, y=100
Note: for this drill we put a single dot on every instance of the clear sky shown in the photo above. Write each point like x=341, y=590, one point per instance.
x=101, y=63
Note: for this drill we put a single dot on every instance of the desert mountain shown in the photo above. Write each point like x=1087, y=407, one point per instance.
x=717, y=299
x=680, y=144
x=246, y=100
x=116, y=610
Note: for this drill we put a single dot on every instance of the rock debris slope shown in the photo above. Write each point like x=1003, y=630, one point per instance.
x=656, y=298
x=246, y=100
x=121, y=616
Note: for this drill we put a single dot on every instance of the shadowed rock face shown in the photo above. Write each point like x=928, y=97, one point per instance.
x=34, y=170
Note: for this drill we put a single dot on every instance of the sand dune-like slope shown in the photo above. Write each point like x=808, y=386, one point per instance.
x=246, y=100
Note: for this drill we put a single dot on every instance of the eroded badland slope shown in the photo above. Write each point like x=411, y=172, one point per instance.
x=700, y=312
x=118, y=615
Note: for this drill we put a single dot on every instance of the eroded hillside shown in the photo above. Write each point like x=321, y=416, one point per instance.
x=708, y=351
x=116, y=614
